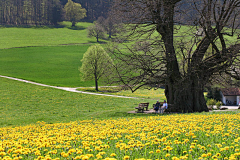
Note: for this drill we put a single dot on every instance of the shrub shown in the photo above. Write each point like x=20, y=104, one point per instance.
x=218, y=104
x=211, y=102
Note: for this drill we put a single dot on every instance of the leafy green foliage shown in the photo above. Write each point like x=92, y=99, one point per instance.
x=74, y=12
x=96, y=63
x=218, y=104
x=211, y=102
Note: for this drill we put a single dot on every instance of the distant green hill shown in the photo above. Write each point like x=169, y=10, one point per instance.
x=44, y=36
x=55, y=57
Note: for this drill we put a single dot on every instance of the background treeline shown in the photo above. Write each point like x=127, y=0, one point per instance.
x=46, y=12
x=37, y=12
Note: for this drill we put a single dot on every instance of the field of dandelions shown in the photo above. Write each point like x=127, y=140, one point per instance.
x=170, y=137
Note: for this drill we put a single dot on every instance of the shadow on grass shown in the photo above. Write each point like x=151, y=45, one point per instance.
x=125, y=114
x=102, y=90
x=33, y=26
x=76, y=28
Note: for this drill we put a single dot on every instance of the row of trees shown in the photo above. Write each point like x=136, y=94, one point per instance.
x=49, y=12
x=37, y=12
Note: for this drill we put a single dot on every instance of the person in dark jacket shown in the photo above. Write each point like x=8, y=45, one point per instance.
x=157, y=106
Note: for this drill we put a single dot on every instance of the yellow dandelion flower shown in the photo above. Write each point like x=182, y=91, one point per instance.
x=204, y=155
x=112, y=154
x=158, y=151
x=77, y=157
x=167, y=155
x=2, y=154
x=209, y=154
x=218, y=154
x=65, y=155
x=85, y=157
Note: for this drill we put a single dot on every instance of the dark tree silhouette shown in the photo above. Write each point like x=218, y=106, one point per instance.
x=168, y=53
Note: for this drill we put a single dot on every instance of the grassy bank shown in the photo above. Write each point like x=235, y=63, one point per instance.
x=22, y=104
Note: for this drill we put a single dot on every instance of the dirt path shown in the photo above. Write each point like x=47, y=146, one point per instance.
x=64, y=88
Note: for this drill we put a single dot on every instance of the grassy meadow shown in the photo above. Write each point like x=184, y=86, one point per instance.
x=154, y=94
x=64, y=34
x=52, y=65
x=40, y=123
x=22, y=104
x=48, y=55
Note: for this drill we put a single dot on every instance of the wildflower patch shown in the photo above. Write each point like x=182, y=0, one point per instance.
x=159, y=137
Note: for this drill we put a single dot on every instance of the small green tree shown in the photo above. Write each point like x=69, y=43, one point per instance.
x=96, y=63
x=74, y=12
x=218, y=104
x=211, y=103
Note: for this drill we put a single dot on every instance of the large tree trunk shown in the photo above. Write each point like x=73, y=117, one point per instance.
x=186, y=96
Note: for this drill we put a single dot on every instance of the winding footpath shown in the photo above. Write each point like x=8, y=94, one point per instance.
x=64, y=88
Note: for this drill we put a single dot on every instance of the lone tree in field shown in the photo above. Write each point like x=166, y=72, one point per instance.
x=110, y=25
x=96, y=31
x=96, y=64
x=74, y=12
x=168, y=53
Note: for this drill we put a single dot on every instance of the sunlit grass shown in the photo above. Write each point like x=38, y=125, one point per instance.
x=44, y=36
x=52, y=65
x=22, y=103
x=155, y=94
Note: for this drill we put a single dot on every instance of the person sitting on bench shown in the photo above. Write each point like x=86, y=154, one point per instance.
x=157, y=106
x=164, y=106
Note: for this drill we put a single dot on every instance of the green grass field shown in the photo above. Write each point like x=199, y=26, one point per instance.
x=44, y=36
x=52, y=65
x=55, y=57
x=50, y=62
x=34, y=119
x=154, y=94
x=22, y=104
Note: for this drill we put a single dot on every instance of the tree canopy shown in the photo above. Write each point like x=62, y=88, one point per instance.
x=96, y=64
x=163, y=51
x=74, y=12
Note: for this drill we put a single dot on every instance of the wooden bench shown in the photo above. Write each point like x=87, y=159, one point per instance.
x=141, y=107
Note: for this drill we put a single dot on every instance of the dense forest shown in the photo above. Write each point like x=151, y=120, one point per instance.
x=46, y=12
